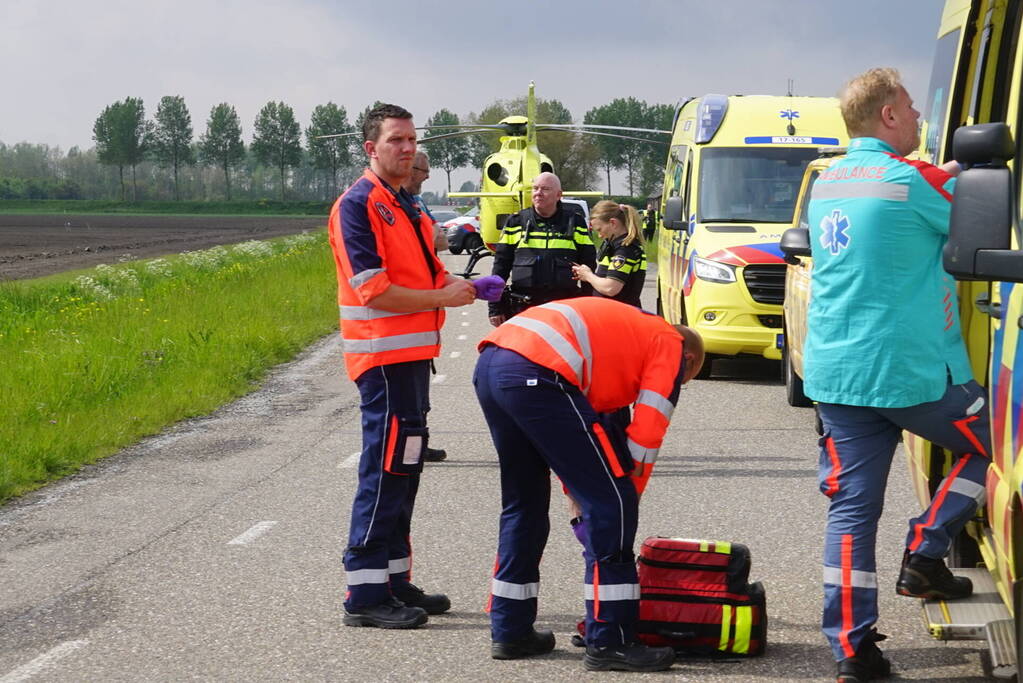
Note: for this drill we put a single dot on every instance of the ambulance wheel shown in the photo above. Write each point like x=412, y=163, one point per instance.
x=454, y=250
x=793, y=382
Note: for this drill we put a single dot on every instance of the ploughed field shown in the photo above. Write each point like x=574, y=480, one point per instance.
x=36, y=245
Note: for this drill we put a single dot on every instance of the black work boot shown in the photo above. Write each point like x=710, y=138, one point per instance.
x=868, y=663
x=391, y=613
x=435, y=454
x=628, y=657
x=414, y=596
x=532, y=644
x=927, y=577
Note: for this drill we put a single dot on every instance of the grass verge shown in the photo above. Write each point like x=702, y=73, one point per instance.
x=91, y=365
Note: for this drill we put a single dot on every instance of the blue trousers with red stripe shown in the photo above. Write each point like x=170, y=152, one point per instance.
x=856, y=455
x=540, y=422
x=395, y=399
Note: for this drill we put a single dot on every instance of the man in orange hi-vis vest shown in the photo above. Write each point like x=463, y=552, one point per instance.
x=547, y=380
x=392, y=291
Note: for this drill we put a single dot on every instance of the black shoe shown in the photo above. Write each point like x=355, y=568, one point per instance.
x=578, y=640
x=390, y=614
x=535, y=643
x=435, y=454
x=629, y=657
x=868, y=663
x=929, y=578
x=413, y=596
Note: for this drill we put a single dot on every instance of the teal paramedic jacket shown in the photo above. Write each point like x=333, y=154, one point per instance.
x=883, y=325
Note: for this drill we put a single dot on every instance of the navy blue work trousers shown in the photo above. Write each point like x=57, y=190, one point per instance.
x=541, y=422
x=855, y=457
x=395, y=400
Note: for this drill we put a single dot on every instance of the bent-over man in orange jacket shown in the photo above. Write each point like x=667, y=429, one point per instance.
x=545, y=380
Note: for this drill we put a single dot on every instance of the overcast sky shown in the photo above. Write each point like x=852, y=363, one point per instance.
x=63, y=61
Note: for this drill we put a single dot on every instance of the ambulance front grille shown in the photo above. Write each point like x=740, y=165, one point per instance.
x=766, y=283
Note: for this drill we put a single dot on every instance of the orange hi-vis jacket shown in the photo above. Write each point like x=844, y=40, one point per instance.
x=376, y=245
x=616, y=354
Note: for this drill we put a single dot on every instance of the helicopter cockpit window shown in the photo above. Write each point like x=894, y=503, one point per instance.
x=546, y=168
x=496, y=172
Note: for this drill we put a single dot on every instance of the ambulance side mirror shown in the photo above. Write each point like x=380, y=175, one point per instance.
x=981, y=223
x=673, y=214
x=795, y=242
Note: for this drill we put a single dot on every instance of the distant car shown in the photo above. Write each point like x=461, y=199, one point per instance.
x=464, y=232
x=442, y=216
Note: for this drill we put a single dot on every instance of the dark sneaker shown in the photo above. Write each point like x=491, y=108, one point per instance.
x=390, y=614
x=629, y=657
x=926, y=577
x=414, y=596
x=868, y=664
x=435, y=454
x=535, y=643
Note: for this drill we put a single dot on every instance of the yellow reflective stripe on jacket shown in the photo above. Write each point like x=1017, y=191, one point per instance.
x=511, y=235
x=558, y=242
x=582, y=236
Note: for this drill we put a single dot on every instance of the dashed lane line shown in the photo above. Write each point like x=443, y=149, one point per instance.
x=455, y=354
x=252, y=534
x=462, y=337
x=26, y=671
x=351, y=461
x=439, y=379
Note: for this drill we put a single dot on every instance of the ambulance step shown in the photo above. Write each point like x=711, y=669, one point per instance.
x=967, y=619
x=982, y=616
x=1001, y=640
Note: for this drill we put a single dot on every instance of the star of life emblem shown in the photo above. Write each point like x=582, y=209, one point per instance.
x=835, y=232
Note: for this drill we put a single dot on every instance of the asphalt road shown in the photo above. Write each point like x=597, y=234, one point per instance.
x=213, y=551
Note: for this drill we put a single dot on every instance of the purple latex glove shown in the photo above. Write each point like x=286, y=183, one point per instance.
x=489, y=287
x=579, y=529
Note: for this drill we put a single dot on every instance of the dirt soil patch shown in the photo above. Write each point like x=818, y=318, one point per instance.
x=36, y=245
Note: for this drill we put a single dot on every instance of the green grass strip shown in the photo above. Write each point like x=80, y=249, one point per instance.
x=91, y=365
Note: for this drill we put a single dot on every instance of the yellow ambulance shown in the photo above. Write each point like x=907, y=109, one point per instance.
x=730, y=185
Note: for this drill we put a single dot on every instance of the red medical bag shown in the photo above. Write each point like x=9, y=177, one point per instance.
x=695, y=596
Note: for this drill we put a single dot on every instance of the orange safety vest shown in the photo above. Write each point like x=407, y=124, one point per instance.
x=616, y=354
x=373, y=336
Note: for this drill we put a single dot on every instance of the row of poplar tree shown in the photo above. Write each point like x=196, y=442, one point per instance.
x=164, y=151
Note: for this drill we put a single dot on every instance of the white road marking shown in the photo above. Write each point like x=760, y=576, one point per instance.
x=456, y=354
x=252, y=534
x=465, y=312
x=462, y=337
x=351, y=461
x=26, y=671
x=465, y=324
x=439, y=379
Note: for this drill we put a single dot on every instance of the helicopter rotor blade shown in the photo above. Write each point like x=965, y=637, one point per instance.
x=608, y=135
x=338, y=135
x=453, y=135
x=495, y=126
x=593, y=125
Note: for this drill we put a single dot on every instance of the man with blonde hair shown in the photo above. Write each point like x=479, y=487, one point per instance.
x=878, y=364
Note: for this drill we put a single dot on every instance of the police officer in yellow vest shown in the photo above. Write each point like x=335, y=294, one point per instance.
x=537, y=249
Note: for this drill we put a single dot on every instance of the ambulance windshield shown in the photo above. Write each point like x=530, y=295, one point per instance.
x=751, y=184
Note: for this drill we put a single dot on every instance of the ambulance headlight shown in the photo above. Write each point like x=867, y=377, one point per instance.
x=712, y=271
